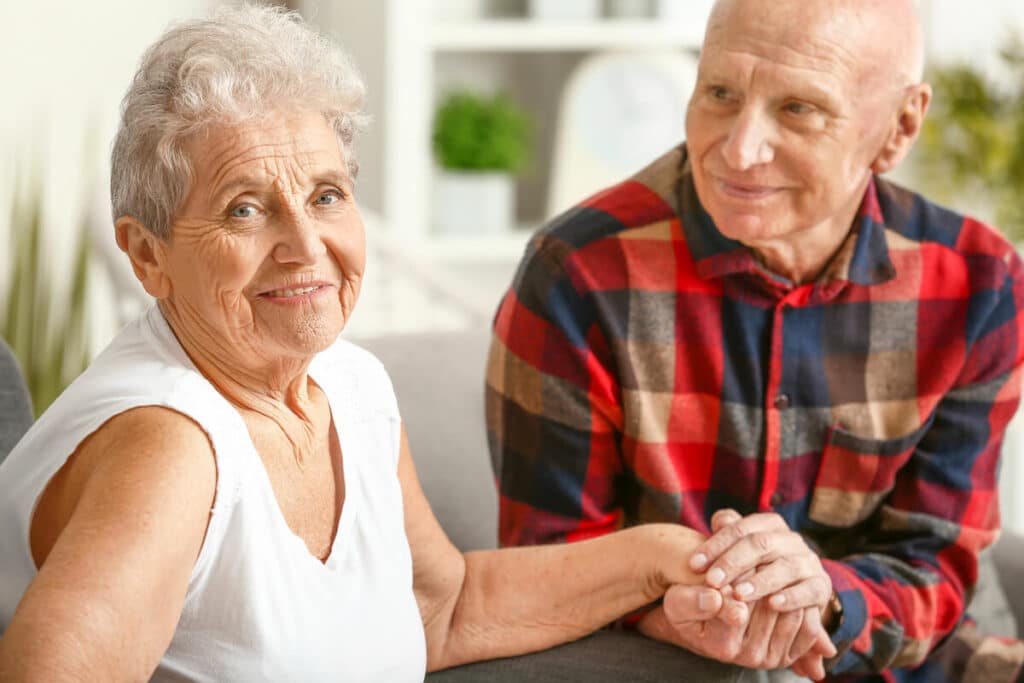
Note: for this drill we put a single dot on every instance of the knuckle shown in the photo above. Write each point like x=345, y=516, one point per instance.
x=761, y=541
x=732, y=650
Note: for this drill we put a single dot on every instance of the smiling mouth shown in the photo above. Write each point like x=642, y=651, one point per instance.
x=293, y=292
x=751, y=192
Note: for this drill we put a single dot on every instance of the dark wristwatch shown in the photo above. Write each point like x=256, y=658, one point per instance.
x=835, y=619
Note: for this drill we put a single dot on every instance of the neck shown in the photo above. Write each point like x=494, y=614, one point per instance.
x=275, y=389
x=802, y=257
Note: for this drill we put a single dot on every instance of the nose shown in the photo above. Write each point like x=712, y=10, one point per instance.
x=299, y=242
x=749, y=143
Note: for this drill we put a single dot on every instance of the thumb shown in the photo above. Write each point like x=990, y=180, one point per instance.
x=691, y=603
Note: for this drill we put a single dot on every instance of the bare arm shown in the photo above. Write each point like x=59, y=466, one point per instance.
x=499, y=603
x=109, y=593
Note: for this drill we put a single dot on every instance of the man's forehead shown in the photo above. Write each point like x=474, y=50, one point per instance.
x=858, y=37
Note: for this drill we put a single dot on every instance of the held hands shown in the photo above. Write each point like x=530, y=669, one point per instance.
x=762, y=601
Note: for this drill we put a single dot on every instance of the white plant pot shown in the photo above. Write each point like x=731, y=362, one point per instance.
x=629, y=9
x=459, y=10
x=688, y=11
x=559, y=10
x=473, y=203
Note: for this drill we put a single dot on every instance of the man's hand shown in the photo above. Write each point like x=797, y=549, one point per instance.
x=756, y=636
x=759, y=555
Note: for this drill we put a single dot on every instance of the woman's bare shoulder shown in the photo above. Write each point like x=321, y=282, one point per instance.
x=149, y=458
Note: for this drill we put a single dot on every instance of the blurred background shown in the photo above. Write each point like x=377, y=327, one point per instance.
x=489, y=117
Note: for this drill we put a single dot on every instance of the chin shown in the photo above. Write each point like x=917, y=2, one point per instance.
x=743, y=228
x=311, y=334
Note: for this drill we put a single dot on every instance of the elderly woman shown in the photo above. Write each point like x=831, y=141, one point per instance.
x=227, y=494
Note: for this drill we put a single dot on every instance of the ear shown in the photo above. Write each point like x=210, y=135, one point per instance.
x=146, y=252
x=909, y=119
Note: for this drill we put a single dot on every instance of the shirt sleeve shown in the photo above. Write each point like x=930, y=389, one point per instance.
x=553, y=411
x=904, y=581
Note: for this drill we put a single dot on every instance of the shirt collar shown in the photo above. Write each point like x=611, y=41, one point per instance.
x=863, y=257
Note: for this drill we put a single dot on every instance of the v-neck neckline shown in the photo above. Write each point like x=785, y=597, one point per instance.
x=345, y=519
x=346, y=516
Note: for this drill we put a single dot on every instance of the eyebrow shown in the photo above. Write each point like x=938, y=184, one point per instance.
x=236, y=185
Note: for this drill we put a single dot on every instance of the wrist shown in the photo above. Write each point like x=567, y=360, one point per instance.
x=832, y=614
x=669, y=549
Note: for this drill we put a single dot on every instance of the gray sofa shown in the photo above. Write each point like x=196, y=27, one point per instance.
x=439, y=382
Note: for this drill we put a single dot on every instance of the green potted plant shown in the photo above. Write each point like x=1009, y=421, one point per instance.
x=480, y=143
x=971, y=151
x=51, y=349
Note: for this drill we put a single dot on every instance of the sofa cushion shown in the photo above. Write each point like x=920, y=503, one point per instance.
x=603, y=656
x=439, y=381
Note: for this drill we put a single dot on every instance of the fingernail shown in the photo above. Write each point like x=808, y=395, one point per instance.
x=716, y=576
x=745, y=589
x=777, y=601
x=698, y=561
x=706, y=601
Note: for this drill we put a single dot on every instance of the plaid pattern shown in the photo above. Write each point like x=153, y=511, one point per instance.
x=645, y=368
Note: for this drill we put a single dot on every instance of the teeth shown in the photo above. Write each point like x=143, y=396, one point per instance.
x=292, y=292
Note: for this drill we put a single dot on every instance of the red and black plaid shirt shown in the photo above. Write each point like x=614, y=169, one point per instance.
x=645, y=368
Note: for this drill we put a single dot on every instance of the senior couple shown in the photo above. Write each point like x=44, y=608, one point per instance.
x=759, y=388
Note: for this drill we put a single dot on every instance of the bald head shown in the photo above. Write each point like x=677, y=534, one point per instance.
x=882, y=37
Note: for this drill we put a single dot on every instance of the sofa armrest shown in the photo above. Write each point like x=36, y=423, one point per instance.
x=1008, y=557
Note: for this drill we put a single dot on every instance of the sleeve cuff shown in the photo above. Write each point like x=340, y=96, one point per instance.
x=854, y=615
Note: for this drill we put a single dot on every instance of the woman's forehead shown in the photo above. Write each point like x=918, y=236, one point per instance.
x=298, y=141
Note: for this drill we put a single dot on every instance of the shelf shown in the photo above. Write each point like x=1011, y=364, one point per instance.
x=527, y=35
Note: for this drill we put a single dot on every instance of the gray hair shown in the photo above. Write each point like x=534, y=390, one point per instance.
x=242, y=63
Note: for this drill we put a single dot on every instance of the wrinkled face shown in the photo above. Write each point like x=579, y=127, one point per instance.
x=785, y=120
x=267, y=253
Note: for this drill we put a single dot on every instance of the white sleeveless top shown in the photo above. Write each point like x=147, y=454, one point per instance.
x=259, y=607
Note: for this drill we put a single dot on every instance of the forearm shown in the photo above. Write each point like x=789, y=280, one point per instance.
x=521, y=600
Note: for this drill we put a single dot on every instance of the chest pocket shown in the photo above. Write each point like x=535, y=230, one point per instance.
x=857, y=474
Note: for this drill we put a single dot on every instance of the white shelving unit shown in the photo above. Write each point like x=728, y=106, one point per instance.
x=526, y=35
x=407, y=55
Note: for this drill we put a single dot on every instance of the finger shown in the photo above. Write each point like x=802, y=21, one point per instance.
x=724, y=518
x=810, y=592
x=809, y=666
x=757, y=549
x=786, y=628
x=735, y=613
x=684, y=604
x=812, y=637
x=726, y=537
x=757, y=638
x=790, y=569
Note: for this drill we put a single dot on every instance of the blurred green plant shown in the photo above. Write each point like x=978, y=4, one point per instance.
x=477, y=133
x=51, y=352
x=972, y=144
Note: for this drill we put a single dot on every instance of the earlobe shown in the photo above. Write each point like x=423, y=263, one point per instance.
x=909, y=120
x=145, y=251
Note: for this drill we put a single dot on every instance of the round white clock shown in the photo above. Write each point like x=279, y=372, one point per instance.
x=618, y=113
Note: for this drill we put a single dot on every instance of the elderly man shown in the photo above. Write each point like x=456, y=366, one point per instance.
x=759, y=338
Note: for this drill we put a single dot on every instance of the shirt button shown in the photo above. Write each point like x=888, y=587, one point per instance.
x=776, y=499
x=781, y=402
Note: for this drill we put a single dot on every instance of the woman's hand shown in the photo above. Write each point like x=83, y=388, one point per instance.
x=666, y=550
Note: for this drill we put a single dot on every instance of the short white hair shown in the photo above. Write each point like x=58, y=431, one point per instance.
x=242, y=63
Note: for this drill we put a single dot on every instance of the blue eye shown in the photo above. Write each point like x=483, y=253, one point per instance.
x=798, y=108
x=328, y=198
x=243, y=211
